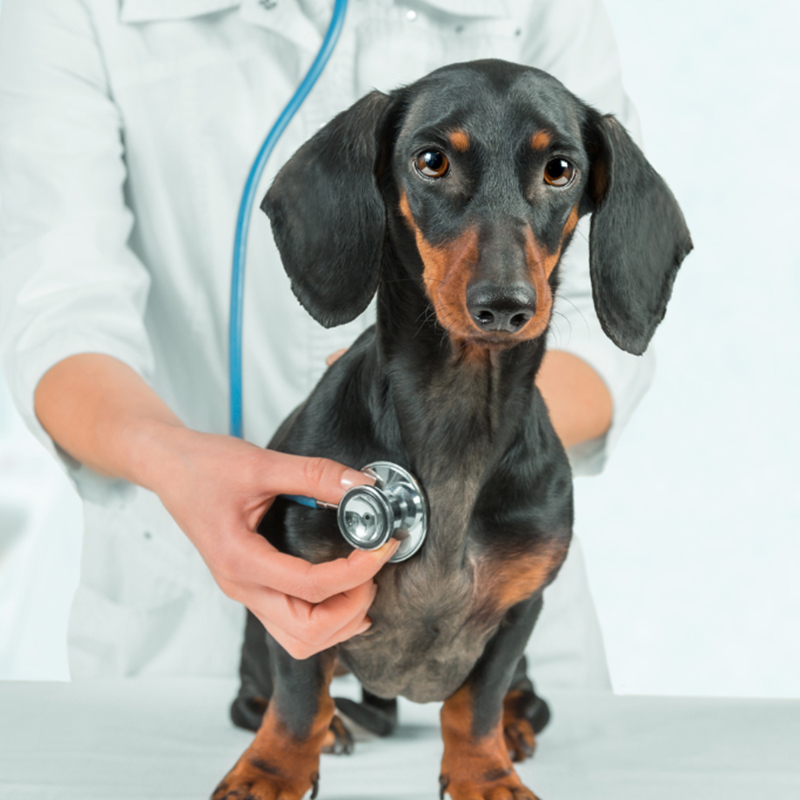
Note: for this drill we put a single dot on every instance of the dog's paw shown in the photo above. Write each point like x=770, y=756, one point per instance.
x=520, y=739
x=524, y=714
x=505, y=785
x=338, y=739
x=256, y=779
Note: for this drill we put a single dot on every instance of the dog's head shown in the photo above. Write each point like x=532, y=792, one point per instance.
x=484, y=169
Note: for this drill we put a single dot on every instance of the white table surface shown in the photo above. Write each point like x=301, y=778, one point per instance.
x=172, y=739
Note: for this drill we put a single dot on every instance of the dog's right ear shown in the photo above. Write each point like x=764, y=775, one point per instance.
x=328, y=216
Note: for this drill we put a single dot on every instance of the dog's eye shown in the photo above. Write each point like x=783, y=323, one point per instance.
x=433, y=164
x=558, y=172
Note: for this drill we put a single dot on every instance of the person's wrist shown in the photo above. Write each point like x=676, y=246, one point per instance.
x=156, y=450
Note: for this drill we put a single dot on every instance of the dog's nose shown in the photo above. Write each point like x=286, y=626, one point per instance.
x=504, y=308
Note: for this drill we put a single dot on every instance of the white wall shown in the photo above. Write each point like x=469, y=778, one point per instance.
x=692, y=532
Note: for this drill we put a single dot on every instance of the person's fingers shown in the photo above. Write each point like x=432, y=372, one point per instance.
x=303, y=628
x=335, y=356
x=311, y=623
x=323, y=620
x=252, y=559
x=317, y=582
x=301, y=650
x=319, y=478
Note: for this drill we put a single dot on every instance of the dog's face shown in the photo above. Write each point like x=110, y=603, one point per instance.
x=492, y=192
x=482, y=171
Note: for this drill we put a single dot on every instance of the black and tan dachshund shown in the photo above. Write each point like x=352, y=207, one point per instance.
x=453, y=198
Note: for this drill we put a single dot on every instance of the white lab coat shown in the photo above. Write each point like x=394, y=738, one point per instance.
x=127, y=128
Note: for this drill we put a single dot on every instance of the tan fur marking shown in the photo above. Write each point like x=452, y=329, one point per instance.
x=510, y=581
x=572, y=221
x=473, y=766
x=459, y=139
x=278, y=765
x=518, y=732
x=540, y=140
x=446, y=273
x=540, y=266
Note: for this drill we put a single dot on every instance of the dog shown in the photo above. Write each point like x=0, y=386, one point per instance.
x=454, y=199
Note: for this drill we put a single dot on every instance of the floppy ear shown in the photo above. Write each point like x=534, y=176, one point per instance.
x=638, y=238
x=328, y=216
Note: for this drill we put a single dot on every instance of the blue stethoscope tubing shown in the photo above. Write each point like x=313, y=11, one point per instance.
x=246, y=206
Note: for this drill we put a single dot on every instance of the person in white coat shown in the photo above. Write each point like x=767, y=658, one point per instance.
x=127, y=128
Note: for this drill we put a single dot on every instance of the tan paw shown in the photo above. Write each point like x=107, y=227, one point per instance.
x=519, y=738
x=338, y=740
x=521, y=712
x=254, y=778
x=498, y=785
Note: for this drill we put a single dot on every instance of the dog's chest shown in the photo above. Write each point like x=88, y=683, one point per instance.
x=429, y=621
x=434, y=614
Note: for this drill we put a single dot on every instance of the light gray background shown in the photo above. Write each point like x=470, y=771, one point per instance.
x=692, y=532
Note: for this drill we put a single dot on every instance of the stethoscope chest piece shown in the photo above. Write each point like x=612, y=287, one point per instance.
x=394, y=507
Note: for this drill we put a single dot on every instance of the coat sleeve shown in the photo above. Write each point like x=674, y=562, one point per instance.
x=68, y=282
x=573, y=40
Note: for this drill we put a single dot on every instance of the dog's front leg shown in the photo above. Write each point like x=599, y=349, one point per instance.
x=283, y=760
x=476, y=763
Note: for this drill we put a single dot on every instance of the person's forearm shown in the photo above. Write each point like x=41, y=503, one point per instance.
x=578, y=400
x=104, y=414
x=217, y=489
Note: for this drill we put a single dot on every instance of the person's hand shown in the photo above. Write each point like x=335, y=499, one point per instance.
x=218, y=488
x=335, y=356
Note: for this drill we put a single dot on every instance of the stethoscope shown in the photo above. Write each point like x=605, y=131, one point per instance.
x=368, y=516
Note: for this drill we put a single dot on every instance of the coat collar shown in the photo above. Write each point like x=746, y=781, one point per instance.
x=286, y=17
x=471, y=9
x=155, y=10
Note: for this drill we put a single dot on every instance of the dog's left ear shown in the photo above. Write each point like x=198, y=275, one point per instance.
x=328, y=216
x=638, y=238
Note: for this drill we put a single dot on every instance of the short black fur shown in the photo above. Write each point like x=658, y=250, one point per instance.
x=426, y=387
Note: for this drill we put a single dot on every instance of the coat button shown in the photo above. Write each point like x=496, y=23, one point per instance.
x=411, y=15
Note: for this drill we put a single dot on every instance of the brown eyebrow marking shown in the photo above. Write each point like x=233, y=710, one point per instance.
x=459, y=139
x=540, y=140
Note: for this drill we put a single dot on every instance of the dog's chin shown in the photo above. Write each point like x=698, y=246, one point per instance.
x=493, y=341
x=471, y=338
x=481, y=350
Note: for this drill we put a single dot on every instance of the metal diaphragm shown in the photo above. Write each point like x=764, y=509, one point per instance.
x=394, y=507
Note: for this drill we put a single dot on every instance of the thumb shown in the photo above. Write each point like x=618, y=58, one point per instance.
x=319, y=478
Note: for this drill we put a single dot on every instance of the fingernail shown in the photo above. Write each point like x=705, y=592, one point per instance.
x=352, y=477
x=388, y=549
